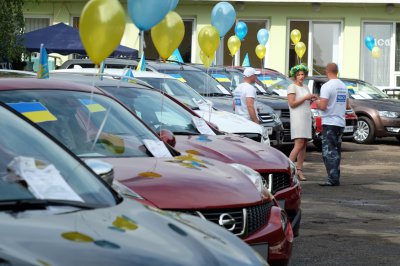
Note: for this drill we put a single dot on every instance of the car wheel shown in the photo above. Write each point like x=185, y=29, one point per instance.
x=398, y=138
x=365, y=133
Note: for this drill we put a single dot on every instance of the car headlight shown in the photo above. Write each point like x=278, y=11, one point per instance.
x=316, y=112
x=293, y=172
x=124, y=191
x=254, y=176
x=284, y=220
x=389, y=114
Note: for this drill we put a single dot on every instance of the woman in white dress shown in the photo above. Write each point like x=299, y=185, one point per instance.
x=299, y=100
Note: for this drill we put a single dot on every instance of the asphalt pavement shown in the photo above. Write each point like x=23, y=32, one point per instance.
x=357, y=223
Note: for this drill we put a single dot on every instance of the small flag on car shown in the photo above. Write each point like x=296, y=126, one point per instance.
x=142, y=64
x=176, y=56
x=246, y=61
x=43, y=71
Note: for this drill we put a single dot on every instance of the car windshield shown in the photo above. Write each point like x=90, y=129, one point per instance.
x=34, y=167
x=230, y=82
x=362, y=90
x=200, y=81
x=177, y=89
x=275, y=81
x=156, y=110
x=90, y=125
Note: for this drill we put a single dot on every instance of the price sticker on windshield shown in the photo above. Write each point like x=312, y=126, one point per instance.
x=223, y=90
x=202, y=126
x=157, y=148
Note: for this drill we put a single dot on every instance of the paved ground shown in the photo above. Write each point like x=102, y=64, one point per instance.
x=357, y=223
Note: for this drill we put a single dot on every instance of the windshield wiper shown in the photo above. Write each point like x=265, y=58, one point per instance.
x=40, y=204
x=215, y=94
x=185, y=133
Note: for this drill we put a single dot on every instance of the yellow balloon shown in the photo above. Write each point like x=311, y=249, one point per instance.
x=234, y=44
x=295, y=36
x=300, y=49
x=207, y=60
x=208, y=40
x=260, y=51
x=101, y=26
x=168, y=34
x=376, y=52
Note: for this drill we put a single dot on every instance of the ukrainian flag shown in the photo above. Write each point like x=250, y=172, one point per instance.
x=266, y=80
x=43, y=71
x=221, y=78
x=179, y=77
x=101, y=70
x=34, y=111
x=128, y=75
x=176, y=56
x=92, y=106
x=246, y=61
x=142, y=64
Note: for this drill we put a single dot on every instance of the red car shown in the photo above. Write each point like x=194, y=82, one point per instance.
x=93, y=125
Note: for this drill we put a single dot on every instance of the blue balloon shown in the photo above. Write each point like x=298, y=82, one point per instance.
x=241, y=30
x=369, y=42
x=262, y=36
x=174, y=4
x=145, y=14
x=223, y=16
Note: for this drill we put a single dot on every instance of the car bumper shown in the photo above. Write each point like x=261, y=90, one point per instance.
x=290, y=199
x=388, y=127
x=279, y=241
x=276, y=136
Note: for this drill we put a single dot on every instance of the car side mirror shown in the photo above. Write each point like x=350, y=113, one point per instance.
x=168, y=137
x=102, y=169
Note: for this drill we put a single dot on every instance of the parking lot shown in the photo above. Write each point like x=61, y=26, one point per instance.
x=357, y=223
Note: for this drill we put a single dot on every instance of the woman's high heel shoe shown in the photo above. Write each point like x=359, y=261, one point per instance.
x=301, y=175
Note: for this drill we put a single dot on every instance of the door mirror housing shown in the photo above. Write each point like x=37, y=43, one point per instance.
x=102, y=169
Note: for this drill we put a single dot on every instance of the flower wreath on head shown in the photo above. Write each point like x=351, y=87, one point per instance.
x=298, y=68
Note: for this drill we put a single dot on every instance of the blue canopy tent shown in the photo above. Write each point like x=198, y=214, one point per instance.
x=65, y=40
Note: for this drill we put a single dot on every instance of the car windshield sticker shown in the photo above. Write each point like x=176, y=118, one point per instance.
x=259, y=87
x=221, y=77
x=34, y=111
x=92, y=106
x=157, y=148
x=178, y=76
x=202, y=126
x=44, y=180
x=266, y=80
x=223, y=90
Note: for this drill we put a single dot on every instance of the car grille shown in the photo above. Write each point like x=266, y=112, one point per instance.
x=266, y=118
x=247, y=220
x=285, y=113
x=253, y=136
x=277, y=181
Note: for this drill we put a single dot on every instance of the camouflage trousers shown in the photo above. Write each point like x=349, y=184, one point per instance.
x=331, y=151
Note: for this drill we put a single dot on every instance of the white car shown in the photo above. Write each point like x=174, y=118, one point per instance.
x=224, y=121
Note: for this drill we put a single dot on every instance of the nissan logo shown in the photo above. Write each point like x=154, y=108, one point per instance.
x=227, y=221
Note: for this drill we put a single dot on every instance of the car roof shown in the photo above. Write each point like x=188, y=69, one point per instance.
x=325, y=78
x=43, y=84
x=159, y=65
x=108, y=61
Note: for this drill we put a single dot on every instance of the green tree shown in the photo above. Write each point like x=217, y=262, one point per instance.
x=11, y=30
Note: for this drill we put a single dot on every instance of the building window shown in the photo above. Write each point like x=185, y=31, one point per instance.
x=32, y=24
x=75, y=22
x=322, y=40
x=185, y=48
x=377, y=71
x=248, y=45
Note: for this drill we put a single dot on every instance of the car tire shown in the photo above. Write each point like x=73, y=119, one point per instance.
x=365, y=133
x=398, y=138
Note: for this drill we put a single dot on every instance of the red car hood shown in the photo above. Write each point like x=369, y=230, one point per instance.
x=181, y=183
x=234, y=149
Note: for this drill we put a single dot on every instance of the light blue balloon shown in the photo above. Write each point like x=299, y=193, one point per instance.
x=262, y=36
x=174, y=4
x=369, y=42
x=145, y=14
x=241, y=30
x=223, y=16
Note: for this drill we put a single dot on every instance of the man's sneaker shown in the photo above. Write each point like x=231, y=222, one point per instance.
x=328, y=184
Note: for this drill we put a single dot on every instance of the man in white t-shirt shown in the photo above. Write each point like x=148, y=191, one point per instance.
x=244, y=101
x=334, y=100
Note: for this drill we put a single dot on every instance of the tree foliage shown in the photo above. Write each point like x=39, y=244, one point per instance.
x=11, y=30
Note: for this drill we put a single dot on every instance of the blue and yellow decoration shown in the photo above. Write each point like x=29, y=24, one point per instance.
x=43, y=71
x=176, y=56
x=128, y=75
x=266, y=80
x=246, y=61
x=92, y=106
x=190, y=161
x=298, y=68
x=221, y=77
x=178, y=76
x=34, y=111
x=142, y=64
